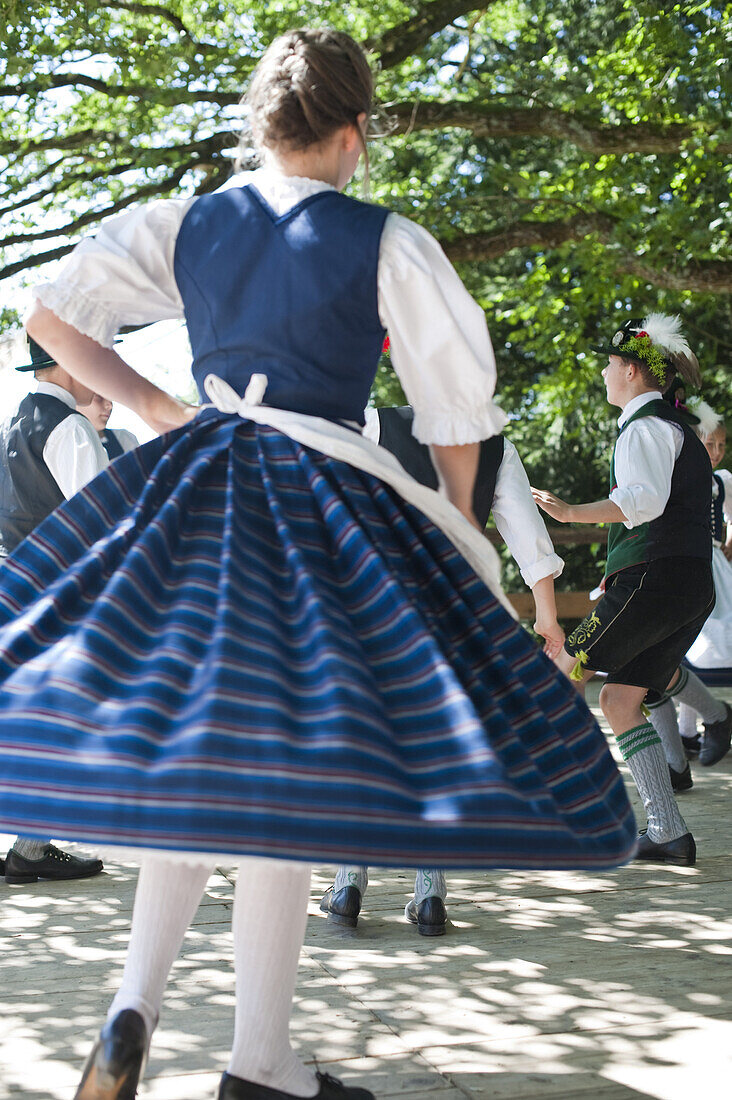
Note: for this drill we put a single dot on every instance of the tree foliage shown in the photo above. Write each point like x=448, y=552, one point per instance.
x=573, y=156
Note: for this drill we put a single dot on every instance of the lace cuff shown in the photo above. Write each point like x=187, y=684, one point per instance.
x=452, y=428
x=77, y=309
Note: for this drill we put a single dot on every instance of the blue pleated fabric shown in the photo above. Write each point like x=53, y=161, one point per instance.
x=231, y=643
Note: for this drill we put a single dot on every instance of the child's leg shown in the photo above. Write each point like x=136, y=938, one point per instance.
x=167, y=896
x=687, y=688
x=665, y=723
x=641, y=749
x=687, y=721
x=351, y=876
x=429, y=883
x=270, y=913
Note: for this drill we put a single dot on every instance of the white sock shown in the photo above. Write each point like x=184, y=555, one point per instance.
x=351, y=876
x=167, y=896
x=30, y=849
x=429, y=883
x=687, y=721
x=665, y=723
x=691, y=690
x=270, y=914
x=642, y=751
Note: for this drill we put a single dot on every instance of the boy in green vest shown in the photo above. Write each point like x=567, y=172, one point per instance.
x=658, y=587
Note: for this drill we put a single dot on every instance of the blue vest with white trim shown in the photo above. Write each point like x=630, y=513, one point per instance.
x=292, y=296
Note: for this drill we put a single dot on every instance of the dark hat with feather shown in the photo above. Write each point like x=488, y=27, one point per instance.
x=657, y=342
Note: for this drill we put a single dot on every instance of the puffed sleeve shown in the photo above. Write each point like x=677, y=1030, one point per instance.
x=121, y=276
x=440, y=345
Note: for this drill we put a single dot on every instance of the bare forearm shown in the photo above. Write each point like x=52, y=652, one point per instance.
x=544, y=599
x=597, y=511
x=456, y=470
x=104, y=372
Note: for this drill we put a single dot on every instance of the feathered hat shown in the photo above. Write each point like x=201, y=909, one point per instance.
x=707, y=418
x=658, y=342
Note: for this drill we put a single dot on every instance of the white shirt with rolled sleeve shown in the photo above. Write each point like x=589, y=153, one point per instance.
x=73, y=451
x=516, y=516
x=645, y=455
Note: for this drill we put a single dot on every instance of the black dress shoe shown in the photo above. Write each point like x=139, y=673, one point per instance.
x=235, y=1088
x=681, y=781
x=716, y=739
x=54, y=864
x=115, y=1065
x=429, y=916
x=343, y=907
x=692, y=745
x=681, y=851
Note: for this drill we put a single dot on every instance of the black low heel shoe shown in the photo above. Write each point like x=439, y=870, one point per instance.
x=115, y=1065
x=235, y=1088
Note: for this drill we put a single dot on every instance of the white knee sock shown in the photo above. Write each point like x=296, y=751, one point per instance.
x=270, y=913
x=665, y=723
x=168, y=893
x=642, y=751
x=429, y=883
x=351, y=876
x=690, y=690
x=687, y=721
x=30, y=849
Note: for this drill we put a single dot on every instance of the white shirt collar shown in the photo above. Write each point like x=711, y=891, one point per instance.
x=280, y=192
x=52, y=390
x=637, y=403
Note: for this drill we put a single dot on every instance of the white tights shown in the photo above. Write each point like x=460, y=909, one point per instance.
x=268, y=923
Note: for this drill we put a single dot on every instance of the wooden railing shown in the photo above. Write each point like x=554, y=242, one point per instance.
x=571, y=604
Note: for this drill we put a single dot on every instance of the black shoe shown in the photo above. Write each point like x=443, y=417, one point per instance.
x=115, y=1065
x=681, y=781
x=343, y=907
x=429, y=916
x=54, y=864
x=235, y=1088
x=716, y=740
x=681, y=851
x=692, y=745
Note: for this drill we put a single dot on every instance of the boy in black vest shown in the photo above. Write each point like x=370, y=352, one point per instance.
x=48, y=451
x=501, y=487
x=658, y=579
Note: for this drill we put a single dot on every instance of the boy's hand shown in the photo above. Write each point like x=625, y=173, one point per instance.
x=553, y=636
x=553, y=506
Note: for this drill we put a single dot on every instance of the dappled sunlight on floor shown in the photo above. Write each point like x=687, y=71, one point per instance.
x=548, y=985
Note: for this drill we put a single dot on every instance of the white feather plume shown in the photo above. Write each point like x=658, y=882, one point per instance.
x=665, y=332
x=709, y=420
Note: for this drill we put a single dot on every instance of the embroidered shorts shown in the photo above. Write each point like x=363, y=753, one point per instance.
x=645, y=622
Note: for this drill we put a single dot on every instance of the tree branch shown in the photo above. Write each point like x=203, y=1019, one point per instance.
x=148, y=191
x=510, y=123
x=476, y=247
x=167, y=94
x=700, y=276
x=151, y=9
x=399, y=42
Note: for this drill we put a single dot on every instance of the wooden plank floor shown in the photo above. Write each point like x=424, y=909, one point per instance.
x=556, y=985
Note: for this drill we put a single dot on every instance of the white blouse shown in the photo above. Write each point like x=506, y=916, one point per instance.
x=440, y=345
x=645, y=455
x=73, y=451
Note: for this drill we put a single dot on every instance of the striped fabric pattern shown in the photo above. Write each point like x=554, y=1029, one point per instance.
x=230, y=643
x=637, y=738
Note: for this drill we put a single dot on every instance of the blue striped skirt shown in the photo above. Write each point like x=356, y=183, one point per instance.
x=230, y=643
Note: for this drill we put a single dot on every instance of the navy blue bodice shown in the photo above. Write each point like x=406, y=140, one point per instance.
x=293, y=297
